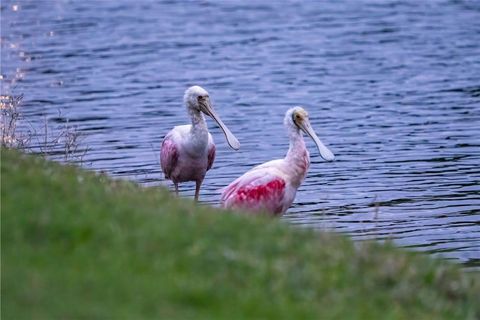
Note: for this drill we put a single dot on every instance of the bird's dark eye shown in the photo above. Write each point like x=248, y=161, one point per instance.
x=297, y=119
x=200, y=98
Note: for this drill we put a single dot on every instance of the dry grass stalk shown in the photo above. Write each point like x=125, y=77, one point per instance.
x=67, y=142
x=10, y=137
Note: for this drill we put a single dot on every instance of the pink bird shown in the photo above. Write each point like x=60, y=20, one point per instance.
x=271, y=186
x=188, y=151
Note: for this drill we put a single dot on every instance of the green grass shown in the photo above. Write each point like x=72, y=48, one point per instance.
x=76, y=245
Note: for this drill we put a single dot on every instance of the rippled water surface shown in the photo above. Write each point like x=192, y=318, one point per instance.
x=392, y=87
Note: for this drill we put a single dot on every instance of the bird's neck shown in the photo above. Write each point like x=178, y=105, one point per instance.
x=198, y=140
x=199, y=125
x=297, y=158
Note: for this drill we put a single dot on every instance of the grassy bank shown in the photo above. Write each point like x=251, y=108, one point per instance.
x=76, y=245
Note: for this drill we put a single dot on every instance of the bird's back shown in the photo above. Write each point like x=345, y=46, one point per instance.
x=264, y=188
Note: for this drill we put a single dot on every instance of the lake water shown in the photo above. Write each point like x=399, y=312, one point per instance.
x=392, y=87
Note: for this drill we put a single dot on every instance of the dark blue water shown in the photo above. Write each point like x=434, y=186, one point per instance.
x=392, y=87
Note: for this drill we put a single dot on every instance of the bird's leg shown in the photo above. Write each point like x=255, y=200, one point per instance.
x=197, y=189
x=176, y=188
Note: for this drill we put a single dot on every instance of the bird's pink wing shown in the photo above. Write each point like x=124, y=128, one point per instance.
x=260, y=192
x=168, y=156
x=211, y=156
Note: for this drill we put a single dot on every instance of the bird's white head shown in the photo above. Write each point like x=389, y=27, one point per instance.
x=193, y=95
x=297, y=119
x=196, y=98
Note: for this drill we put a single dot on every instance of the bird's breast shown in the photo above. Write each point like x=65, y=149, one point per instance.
x=196, y=146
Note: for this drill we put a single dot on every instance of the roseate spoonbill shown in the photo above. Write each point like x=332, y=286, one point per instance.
x=188, y=151
x=271, y=186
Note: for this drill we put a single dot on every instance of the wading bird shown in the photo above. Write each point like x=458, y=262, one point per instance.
x=271, y=186
x=188, y=151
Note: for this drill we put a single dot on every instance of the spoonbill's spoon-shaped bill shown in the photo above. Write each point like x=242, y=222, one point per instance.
x=208, y=110
x=325, y=153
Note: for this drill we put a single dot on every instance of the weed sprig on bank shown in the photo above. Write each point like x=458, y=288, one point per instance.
x=64, y=142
